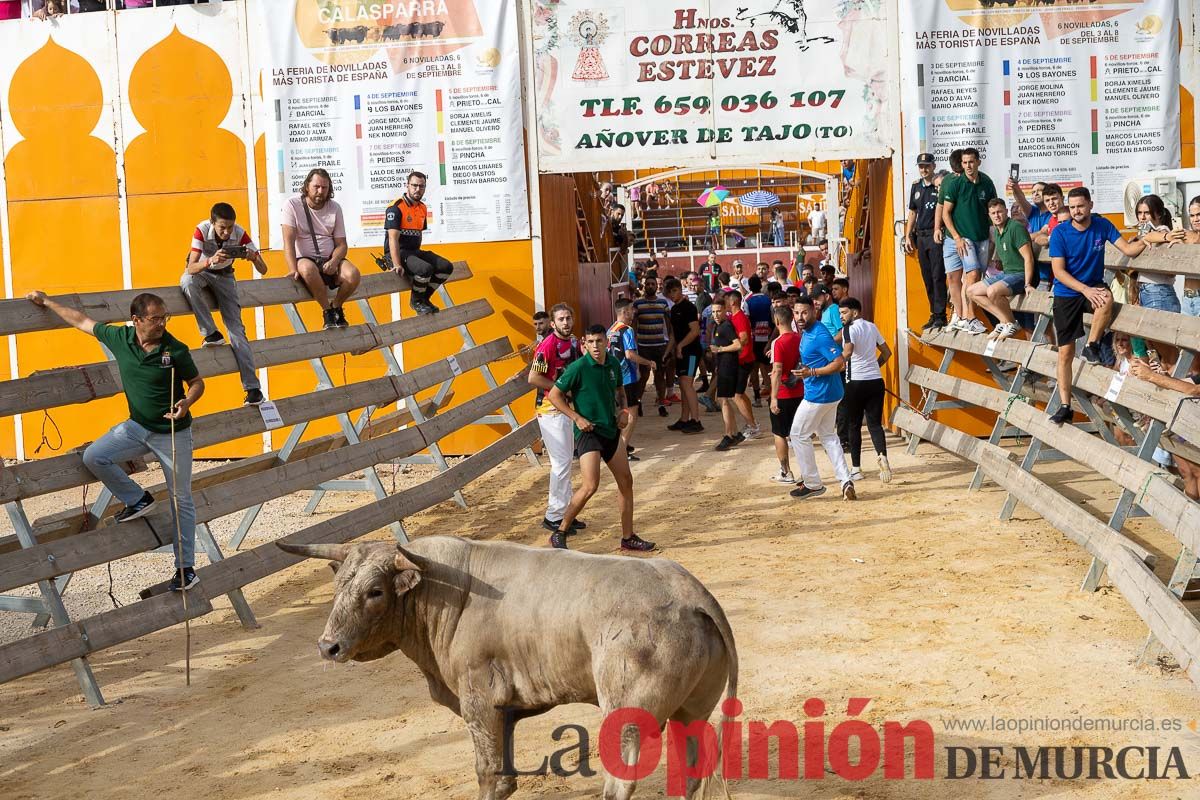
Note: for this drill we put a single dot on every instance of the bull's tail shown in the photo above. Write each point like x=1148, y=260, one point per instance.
x=709, y=786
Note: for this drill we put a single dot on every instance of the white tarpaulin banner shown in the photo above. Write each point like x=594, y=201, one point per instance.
x=635, y=84
x=371, y=91
x=1079, y=94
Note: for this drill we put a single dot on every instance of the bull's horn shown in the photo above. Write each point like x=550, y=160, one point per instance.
x=330, y=552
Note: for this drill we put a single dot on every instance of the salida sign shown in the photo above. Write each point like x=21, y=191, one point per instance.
x=636, y=84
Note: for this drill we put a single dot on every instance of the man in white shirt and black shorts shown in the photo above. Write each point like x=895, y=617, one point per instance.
x=864, y=386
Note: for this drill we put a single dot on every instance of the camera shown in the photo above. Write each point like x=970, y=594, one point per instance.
x=235, y=250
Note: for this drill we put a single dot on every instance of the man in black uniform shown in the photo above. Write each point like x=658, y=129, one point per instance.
x=918, y=236
x=403, y=223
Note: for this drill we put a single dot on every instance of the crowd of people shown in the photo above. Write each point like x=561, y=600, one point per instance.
x=977, y=251
x=729, y=342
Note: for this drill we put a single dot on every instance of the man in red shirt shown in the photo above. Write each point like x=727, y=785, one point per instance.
x=741, y=323
x=786, y=389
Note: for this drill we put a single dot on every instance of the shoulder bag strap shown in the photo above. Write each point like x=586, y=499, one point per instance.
x=312, y=231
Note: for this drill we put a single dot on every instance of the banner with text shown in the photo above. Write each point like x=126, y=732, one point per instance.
x=372, y=91
x=635, y=84
x=1075, y=94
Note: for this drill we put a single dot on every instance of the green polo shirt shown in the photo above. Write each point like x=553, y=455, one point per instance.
x=146, y=381
x=593, y=389
x=1008, y=246
x=970, y=205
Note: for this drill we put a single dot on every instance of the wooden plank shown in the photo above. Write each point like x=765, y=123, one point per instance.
x=1179, y=259
x=1156, y=494
x=1167, y=406
x=21, y=316
x=1179, y=330
x=397, y=419
x=1168, y=619
x=61, y=387
x=59, y=645
x=49, y=559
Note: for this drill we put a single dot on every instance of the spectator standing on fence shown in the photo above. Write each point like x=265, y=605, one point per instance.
x=918, y=239
x=865, y=353
x=216, y=243
x=154, y=366
x=550, y=360
x=314, y=246
x=404, y=224
x=965, y=253
x=1077, y=258
x=1014, y=251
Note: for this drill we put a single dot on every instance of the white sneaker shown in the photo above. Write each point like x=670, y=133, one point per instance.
x=751, y=432
x=973, y=326
x=856, y=474
x=848, y=491
x=1006, y=329
x=885, y=470
x=955, y=323
x=783, y=477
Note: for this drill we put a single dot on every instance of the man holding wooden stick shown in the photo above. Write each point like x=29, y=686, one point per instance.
x=153, y=365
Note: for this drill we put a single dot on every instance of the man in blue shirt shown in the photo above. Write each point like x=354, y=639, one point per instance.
x=1077, y=258
x=622, y=345
x=821, y=363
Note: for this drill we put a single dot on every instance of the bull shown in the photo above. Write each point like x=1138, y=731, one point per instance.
x=433, y=29
x=340, y=35
x=500, y=628
x=392, y=33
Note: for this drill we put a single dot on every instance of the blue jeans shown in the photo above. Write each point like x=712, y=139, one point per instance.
x=976, y=259
x=1158, y=295
x=1191, y=305
x=129, y=440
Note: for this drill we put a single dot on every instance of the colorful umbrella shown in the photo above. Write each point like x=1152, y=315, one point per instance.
x=759, y=198
x=713, y=196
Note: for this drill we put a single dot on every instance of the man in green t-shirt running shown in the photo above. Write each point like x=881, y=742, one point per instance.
x=593, y=383
x=1014, y=251
x=154, y=366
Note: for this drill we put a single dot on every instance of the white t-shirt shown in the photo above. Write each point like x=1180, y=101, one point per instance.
x=864, y=363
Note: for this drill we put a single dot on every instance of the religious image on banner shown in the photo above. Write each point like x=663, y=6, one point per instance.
x=1078, y=94
x=371, y=91
x=632, y=84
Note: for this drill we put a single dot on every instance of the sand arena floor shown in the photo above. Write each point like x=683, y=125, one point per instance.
x=915, y=596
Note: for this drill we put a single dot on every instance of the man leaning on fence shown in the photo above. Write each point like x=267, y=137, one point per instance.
x=154, y=366
x=216, y=242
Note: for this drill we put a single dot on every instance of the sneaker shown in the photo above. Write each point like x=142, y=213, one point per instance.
x=640, y=410
x=848, y=491
x=331, y=319
x=254, y=397
x=558, y=540
x=552, y=526
x=632, y=457
x=955, y=323
x=183, y=579
x=677, y=425
x=420, y=304
x=637, y=544
x=707, y=402
x=1091, y=352
x=214, y=339
x=885, y=470
x=139, y=509
x=738, y=438
x=725, y=443
x=1064, y=414
x=341, y=317
x=803, y=491
x=751, y=432
x=973, y=327
x=693, y=426
x=1007, y=329
x=856, y=474
x=929, y=326
x=783, y=477
x=662, y=410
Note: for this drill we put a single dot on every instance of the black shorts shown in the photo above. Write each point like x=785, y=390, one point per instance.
x=653, y=352
x=592, y=442
x=687, y=366
x=1068, y=316
x=632, y=395
x=781, y=423
x=760, y=353
x=732, y=381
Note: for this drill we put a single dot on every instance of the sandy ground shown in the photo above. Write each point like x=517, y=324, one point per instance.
x=915, y=596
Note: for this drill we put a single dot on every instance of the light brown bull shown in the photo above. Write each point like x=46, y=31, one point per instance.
x=494, y=625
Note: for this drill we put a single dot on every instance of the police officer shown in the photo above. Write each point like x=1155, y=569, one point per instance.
x=403, y=223
x=918, y=237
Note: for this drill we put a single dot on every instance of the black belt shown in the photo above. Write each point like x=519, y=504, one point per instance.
x=221, y=271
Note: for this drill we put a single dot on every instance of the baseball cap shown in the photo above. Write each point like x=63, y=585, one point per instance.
x=926, y=158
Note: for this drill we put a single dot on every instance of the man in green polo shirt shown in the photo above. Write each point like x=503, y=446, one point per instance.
x=1014, y=251
x=965, y=253
x=593, y=383
x=154, y=366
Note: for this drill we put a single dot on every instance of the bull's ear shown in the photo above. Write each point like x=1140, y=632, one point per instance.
x=332, y=552
x=408, y=574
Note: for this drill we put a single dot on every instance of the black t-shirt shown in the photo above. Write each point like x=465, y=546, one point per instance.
x=923, y=200
x=723, y=336
x=683, y=314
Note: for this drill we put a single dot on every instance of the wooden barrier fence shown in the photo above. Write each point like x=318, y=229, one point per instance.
x=47, y=551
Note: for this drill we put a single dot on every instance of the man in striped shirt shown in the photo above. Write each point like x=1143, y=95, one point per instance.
x=653, y=339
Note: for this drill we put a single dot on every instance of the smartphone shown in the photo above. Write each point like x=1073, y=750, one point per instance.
x=1014, y=172
x=1176, y=224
